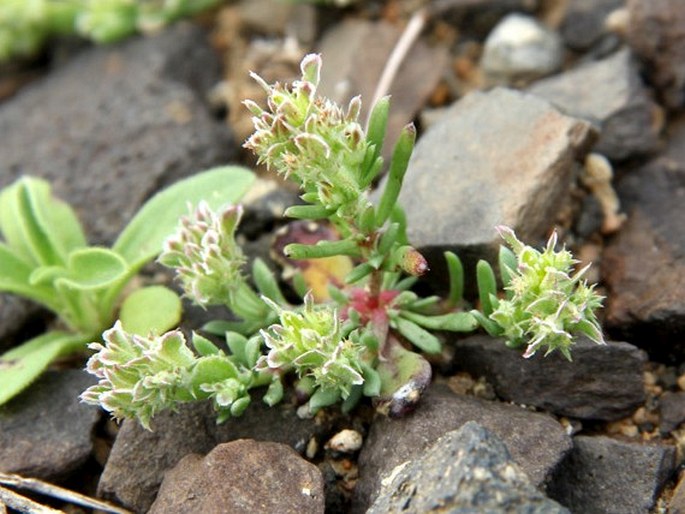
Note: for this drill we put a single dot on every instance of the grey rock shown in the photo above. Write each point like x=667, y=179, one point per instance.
x=602, y=382
x=584, y=22
x=672, y=410
x=644, y=265
x=501, y=157
x=14, y=312
x=265, y=203
x=45, y=432
x=521, y=48
x=676, y=505
x=610, y=94
x=356, y=52
x=536, y=441
x=139, y=458
x=656, y=32
x=605, y=476
x=242, y=476
x=467, y=470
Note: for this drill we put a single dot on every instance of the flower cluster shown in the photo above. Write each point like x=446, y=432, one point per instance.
x=206, y=257
x=310, y=341
x=138, y=376
x=311, y=139
x=546, y=303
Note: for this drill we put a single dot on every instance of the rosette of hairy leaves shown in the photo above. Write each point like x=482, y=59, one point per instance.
x=312, y=140
x=547, y=304
x=310, y=342
x=205, y=255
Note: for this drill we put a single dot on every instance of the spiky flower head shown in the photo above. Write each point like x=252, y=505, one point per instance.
x=205, y=255
x=138, y=376
x=310, y=342
x=310, y=138
x=547, y=302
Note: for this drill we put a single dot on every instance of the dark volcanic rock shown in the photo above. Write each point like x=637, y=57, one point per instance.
x=672, y=410
x=467, y=470
x=605, y=476
x=140, y=458
x=242, y=476
x=536, y=442
x=603, y=382
x=656, y=32
x=584, y=22
x=45, y=432
x=501, y=157
x=644, y=265
x=610, y=94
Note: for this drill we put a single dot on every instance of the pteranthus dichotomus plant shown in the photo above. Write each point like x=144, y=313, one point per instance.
x=368, y=335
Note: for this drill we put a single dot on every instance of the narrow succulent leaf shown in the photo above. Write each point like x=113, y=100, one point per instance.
x=337, y=295
x=93, y=269
x=406, y=283
x=419, y=337
x=203, y=346
x=389, y=238
x=367, y=220
x=377, y=125
x=323, y=398
x=487, y=286
x=217, y=327
x=274, y=393
x=22, y=365
x=507, y=265
x=371, y=171
x=400, y=217
x=300, y=284
x=490, y=326
x=266, y=282
x=322, y=249
x=455, y=271
x=308, y=212
x=240, y=405
x=151, y=310
x=359, y=272
x=372, y=381
x=398, y=168
x=454, y=322
x=142, y=239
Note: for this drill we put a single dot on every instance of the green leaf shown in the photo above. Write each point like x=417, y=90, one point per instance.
x=419, y=337
x=142, y=239
x=404, y=376
x=237, y=344
x=239, y=406
x=487, y=286
x=22, y=365
x=308, y=212
x=274, y=394
x=323, y=398
x=93, y=268
x=151, y=310
x=266, y=282
x=15, y=276
x=372, y=381
x=507, y=264
x=455, y=271
x=349, y=403
x=378, y=123
x=204, y=346
x=322, y=249
x=359, y=272
x=398, y=168
x=454, y=322
x=491, y=327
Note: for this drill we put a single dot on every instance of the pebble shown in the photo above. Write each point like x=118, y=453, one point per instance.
x=345, y=441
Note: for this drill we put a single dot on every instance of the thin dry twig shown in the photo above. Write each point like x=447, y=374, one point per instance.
x=18, y=502
x=54, y=491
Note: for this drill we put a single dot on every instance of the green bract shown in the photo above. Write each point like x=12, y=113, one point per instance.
x=45, y=257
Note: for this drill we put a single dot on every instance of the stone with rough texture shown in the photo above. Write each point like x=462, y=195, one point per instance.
x=656, y=32
x=242, y=476
x=467, y=470
x=610, y=94
x=677, y=503
x=536, y=441
x=14, y=311
x=605, y=476
x=644, y=264
x=139, y=458
x=584, y=22
x=45, y=432
x=520, y=47
x=603, y=382
x=355, y=53
x=501, y=157
x=672, y=411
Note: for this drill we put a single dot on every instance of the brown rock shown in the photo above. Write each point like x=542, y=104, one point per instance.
x=242, y=476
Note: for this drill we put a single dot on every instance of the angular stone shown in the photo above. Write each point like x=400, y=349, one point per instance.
x=45, y=432
x=521, y=48
x=644, y=264
x=672, y=411
x=677, y=503
x=536, y=441
x=602, y=382
x=355, y=53
x=466, y=470
x=501, y=157
x=610, y=94
x=242, y=476
x=139, y=458
x=605, y=476
x=656, y=32
x=584, y=22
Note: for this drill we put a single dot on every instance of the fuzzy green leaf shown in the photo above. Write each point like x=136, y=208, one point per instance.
x=204, y=346
x=15, y=276
x=266, y=282
x=323, y=398
x=22, y=365
x=93, y=269
x=507, y=264
x=151, y=310
x=142, y=239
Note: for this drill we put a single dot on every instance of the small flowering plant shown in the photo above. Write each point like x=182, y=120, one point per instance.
x=368, y=338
